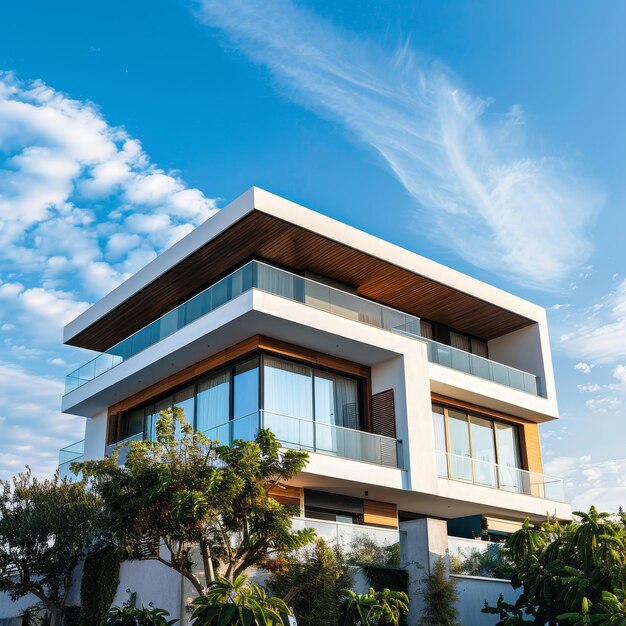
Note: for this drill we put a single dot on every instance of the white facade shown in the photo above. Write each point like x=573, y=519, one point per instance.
x=404, y=362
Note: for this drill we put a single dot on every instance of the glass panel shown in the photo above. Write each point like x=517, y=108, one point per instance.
x=213, y=401
x=460, y=461
x=288, y=391
x=185, y=400
x=483, y=448
x=132, y=423
x=507, y=438
x=245, y=396
x=150, y=422
x=162, y=405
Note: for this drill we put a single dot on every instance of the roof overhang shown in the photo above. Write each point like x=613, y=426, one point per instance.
x=264, y=226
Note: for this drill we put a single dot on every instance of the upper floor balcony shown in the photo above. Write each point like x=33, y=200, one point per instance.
x=311, y=293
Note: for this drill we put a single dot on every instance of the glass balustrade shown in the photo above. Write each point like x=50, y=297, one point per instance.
x=68, y=455
x=349, y=536
x=301, y=434
x=257, y=275
x=475, y=557
x=475, y=365
x=253, y=275
x=486, y=474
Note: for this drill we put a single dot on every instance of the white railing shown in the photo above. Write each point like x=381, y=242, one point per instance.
x=487, y=474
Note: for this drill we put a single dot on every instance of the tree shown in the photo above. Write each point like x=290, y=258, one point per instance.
x=46, y=528
x=238, y=603
x=440, y=596
x=187, y=499
x=311, y=582
x=574, y=574
x=374, y=607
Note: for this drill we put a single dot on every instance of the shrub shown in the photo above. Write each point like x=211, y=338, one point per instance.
x=440, y=596
x=311, y=583
x=129, y=616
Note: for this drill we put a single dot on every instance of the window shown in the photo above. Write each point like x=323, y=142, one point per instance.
x=300, y=404
x=452, y=337
x=332, y=507
x=476, y=448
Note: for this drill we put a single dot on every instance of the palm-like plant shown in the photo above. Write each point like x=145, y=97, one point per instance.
x=374, y=607
x=238, y=603
x=130, y=616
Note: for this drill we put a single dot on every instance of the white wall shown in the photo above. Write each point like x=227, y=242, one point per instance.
x=95, y=436
x=473, y=592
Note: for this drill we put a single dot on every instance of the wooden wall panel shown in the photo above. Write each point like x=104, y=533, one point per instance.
x=531, y=448
x=286, y=494
x=380, y=513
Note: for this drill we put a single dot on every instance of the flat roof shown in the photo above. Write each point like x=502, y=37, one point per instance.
x=262, y=225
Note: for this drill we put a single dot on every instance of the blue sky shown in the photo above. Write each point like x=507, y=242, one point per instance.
x=488, y=136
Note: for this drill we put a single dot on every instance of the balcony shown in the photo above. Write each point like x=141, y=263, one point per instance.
x=348, y=537
x=68, y=455
x=475, y=557
x=485, y=474
x=257, y=275
x=475, y=365
x=300, y=434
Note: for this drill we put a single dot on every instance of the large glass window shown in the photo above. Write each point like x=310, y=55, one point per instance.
x=479, y=449
x=302, y=405
x=213, y=401
x=245, y=399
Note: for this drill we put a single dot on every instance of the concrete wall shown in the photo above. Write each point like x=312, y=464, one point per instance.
x=473, y=592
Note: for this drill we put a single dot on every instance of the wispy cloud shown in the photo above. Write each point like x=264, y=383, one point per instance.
x=587, y=481
x=482, y=191
x=82, y=207
x=599, y=332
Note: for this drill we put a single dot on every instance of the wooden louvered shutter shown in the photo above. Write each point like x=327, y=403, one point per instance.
x=384, y=414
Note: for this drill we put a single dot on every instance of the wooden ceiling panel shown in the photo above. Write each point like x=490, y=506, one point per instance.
x=263, y=236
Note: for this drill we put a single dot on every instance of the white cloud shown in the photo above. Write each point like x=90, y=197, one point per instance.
x=599, y=334
x=589, y=482
x=32, y=427
x=620, y=373
x=71, y=186
x=583, y=367
x=589, y=388
x=603, y=404
x=482, y=191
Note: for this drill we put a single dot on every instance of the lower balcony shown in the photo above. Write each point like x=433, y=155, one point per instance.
x=68, y=455
x=356, y=541
x=300, y=434
x=506, y=478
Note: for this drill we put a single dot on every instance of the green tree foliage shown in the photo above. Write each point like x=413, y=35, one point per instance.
x=238, y=603
x=574, y=574
x=130, y=616
x=311, y=582
x=182, y=499
x=440, y=596
x=374, y=607
x=46, y=529
x=101, y=574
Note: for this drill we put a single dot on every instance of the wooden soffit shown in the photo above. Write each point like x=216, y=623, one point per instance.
x=262, y=236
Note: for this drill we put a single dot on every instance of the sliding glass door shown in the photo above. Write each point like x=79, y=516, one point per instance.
x=477, y=449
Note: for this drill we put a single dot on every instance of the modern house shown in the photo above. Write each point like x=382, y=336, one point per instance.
x=417, y=390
